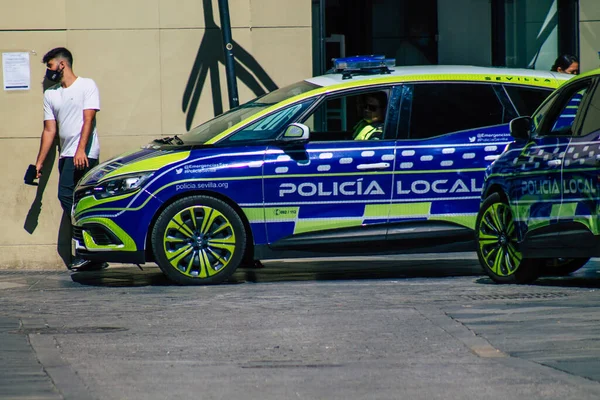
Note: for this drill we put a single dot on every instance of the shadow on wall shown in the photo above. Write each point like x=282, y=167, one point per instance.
x=210, y=54
x=32, y=219
x=541, y=39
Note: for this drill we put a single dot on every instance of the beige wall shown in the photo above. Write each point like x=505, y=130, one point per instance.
x=589, y=34
x=141, y=53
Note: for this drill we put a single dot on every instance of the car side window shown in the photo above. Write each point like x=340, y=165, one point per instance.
x=355, y=116
x=560, y=114
x=440, y=108
x=527, y=99
x=564, y=122
x=591, y=118
x=539, y=115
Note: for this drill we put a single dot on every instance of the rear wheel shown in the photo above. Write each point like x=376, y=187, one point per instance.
x=563, y=266
x=497, y=244
x=198, y=240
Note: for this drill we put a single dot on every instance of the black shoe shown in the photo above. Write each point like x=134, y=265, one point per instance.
x=78, y=263
x=92, y=266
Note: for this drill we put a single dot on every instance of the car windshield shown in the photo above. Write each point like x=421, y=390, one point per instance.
x=206, y=131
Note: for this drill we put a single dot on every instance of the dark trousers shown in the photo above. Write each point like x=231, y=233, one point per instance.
x=67, y=180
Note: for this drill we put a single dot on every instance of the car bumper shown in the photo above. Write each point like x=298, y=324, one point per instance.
x=100, y=239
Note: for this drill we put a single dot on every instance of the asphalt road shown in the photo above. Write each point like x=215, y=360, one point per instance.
x=419, y=327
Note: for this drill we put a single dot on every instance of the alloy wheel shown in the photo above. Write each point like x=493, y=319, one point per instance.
x=497, y=240
x=199, y=241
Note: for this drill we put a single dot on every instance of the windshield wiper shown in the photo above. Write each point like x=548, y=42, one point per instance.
x=169, y=140
x=177, y=140
x=256, y=104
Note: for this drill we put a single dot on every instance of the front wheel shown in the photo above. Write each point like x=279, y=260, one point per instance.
x=497, y=244
x=198, y=240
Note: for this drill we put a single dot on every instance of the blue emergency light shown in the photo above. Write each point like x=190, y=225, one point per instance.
x=373, y=64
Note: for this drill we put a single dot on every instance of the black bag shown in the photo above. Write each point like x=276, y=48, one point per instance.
x=31, y=175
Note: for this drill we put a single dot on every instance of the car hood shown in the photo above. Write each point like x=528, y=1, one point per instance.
x=142, y=160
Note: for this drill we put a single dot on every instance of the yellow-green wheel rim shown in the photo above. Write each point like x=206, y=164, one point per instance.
x=199, y=241
x=497, y=240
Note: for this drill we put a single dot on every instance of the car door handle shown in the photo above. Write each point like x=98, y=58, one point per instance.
x=554, y=163
x=381, y=165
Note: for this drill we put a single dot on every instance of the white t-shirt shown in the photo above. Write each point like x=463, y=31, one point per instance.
x=66, y=105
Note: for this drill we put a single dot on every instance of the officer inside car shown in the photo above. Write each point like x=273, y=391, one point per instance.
x=370, y=127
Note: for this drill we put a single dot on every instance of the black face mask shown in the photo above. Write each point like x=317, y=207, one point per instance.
x=54, y=76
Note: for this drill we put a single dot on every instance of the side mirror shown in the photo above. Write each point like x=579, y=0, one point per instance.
x=520, y=128
x=295, y=133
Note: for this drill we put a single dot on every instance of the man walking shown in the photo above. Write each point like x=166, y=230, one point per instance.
x=70, y=106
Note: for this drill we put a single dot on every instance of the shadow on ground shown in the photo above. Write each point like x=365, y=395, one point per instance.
x=294, y=271
x=587, y=277
x=335, y=270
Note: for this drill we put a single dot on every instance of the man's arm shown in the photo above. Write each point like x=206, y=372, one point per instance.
x=48, y=135
x=80, y=160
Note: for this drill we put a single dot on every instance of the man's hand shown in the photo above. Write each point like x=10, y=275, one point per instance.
x=38, y=168
x=80, y=160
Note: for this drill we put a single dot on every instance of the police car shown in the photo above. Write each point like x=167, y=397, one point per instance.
x=287, y=175
x=541, y=198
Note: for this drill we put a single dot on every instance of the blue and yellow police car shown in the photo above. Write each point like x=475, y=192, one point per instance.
x=541, y=202
x=367, y=159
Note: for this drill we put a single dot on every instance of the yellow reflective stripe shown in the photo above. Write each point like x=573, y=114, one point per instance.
x=376, y=211
x=564, y=210
x=410, y=209
x=254, y=214
x=311, y=225
x=149, y=164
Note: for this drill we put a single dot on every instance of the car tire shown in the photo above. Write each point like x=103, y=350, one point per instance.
x=497, y=250
x=198, y=240
x=562, y=266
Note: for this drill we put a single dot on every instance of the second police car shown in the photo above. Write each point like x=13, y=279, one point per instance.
x=540, y=213
x=289, y=175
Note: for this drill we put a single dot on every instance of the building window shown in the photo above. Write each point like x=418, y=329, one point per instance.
x=533, y=33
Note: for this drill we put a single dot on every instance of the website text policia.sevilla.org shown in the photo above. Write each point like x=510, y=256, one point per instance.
x=202, y=185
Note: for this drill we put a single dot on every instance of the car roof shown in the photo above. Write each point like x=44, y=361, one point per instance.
x=594, y=72
x=445, y=73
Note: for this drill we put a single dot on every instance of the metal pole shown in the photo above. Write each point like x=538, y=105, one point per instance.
x=322, y=43
x=229, y=60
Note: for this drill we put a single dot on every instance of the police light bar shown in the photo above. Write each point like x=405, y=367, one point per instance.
x=363, y=63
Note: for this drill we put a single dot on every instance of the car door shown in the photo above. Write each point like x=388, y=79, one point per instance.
x=448, y=133
x=333, y=193
x=578, y=213
x=538, y=186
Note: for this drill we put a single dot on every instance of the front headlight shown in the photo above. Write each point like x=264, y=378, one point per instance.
x=121, y=185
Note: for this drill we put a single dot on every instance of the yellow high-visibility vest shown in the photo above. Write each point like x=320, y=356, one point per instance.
x=364, y=130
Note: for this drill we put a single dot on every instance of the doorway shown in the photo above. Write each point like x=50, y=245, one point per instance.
x=399, y=29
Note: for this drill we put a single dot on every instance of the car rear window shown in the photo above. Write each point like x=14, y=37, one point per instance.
x=441, y=108
x=527, y=99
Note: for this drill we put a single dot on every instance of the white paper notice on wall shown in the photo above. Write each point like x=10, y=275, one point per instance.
x=16, y=71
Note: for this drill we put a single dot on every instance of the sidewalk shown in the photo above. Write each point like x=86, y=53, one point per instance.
x=20, y=368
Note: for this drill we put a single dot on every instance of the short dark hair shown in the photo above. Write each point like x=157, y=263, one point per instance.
x=381, y=97
x=564, y=61
x=59, y=52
